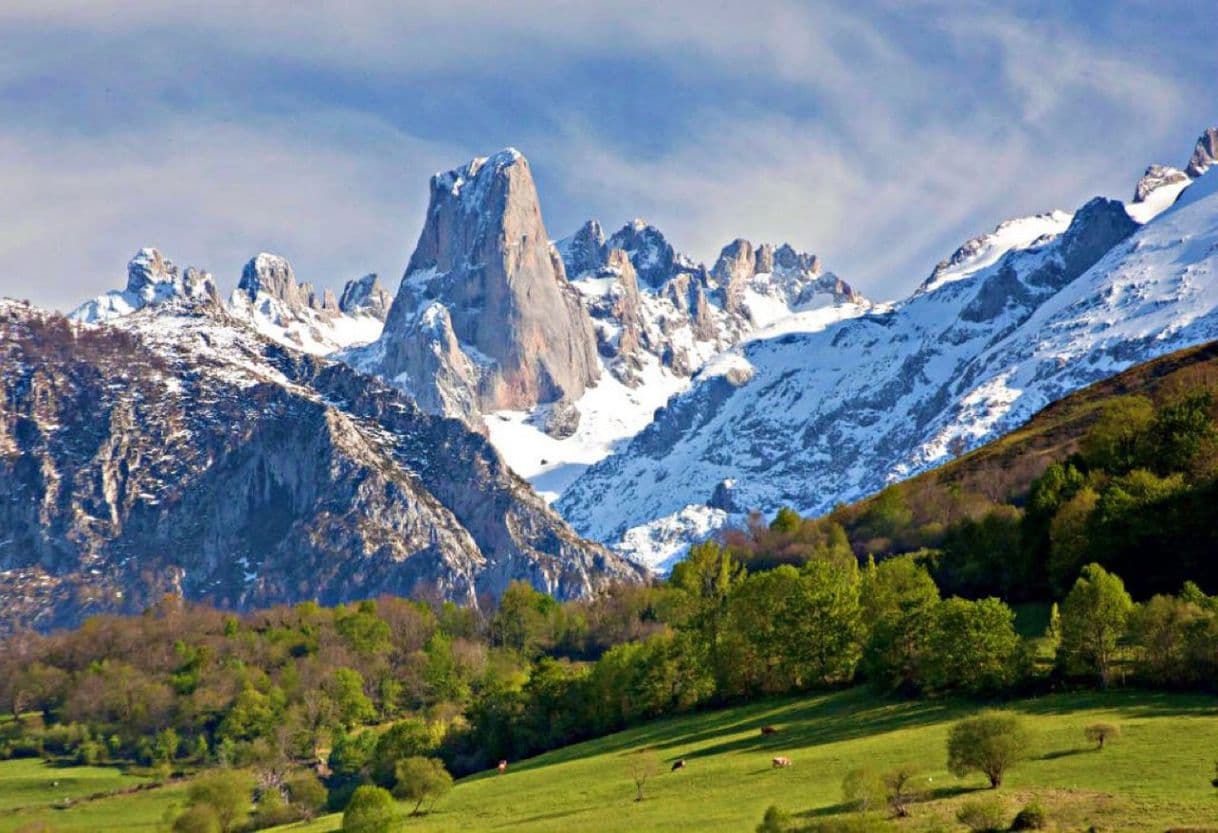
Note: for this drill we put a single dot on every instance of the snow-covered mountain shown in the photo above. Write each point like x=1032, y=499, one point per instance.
x=177, y=449
x=561, y=351
x=1010, y=322
x=267, y=296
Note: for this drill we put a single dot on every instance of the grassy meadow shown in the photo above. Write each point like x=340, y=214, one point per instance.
x=1155, y=777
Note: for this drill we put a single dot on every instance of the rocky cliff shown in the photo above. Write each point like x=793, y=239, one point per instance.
x=179, y=450
x=485, y=315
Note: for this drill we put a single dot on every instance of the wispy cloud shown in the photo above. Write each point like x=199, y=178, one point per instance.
x=877, y=134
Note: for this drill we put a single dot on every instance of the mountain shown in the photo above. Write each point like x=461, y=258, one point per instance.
x=484, y=318
x=267, y=296
x=1010, y=322
x=175, y=448
x=560, y=351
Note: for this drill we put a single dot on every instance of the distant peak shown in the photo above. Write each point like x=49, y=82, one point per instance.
x=149, y=267
x=477, y=169
x=268, y=273
x=1205, y=153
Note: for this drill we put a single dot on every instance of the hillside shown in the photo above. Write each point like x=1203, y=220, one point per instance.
x=1154, y=778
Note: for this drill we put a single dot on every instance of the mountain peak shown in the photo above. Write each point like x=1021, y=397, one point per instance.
x=151, y=279
x=365, y=296
x=1204, y=154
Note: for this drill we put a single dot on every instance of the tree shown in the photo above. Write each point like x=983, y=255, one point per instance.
x=864, y=790
x=226, y=791
x=972, y=646
x=201, y=818
x=899, y=599
x=421, y=779
x=990, y=743
x=346, y=689
x=706, y=576
x=407, y=738
x=899, y=790
x=642, y=765
x=1093, y=620
x=370, y=810
x=306, y=793
x=1118, y=440
x=1100, y=733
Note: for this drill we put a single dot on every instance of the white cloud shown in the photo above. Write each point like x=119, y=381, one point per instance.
x=879, y=140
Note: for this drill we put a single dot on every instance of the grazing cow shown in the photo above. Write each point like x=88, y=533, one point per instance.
x=502, y=767
x=781, y=761
x=768, y=730
x=678, y=765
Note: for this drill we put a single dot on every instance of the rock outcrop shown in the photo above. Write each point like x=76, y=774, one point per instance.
x=1204, y=154
x=151, y=279
x=366, y=296
x=484, y=256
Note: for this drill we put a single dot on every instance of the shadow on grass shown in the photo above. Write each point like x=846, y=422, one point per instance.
x=1066, y=753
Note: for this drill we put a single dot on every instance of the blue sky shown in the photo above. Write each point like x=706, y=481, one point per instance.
x=879, y=135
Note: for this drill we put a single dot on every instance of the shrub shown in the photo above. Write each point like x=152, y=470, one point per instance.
x=991, y=743
x=226, y=791
x=370, y=810
x=273, y=810
x=863, y=790
x=1031, y=817
x=201, y=818
x=982, y=816
x=1101, y=733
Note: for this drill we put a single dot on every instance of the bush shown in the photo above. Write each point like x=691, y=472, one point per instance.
x=201, y=818
x=226, y=791
x=982, y=816
x=370, y=810
x=990, y=743
x=273, y=810
x=1101, y=733
x=306, y=792
x=863, y=790
x=1031, y=817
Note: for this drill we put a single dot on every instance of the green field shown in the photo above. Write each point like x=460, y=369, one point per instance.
x=1155, y=777
x=32, y=791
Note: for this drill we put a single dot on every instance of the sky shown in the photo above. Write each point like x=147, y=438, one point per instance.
x=879, y=135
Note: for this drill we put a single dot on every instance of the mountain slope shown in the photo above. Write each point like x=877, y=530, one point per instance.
x=180, y=451
x=809, y=420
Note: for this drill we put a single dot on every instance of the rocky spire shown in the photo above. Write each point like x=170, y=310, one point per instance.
x=484, y=255
x=365, y=296
x=583, y=251
x=1204, y=154
x=1156, y=177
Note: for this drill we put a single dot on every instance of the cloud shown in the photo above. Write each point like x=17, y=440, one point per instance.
x=877, y=134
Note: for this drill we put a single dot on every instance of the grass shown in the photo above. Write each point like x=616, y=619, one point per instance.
x=1155, y=777
x=33, y=791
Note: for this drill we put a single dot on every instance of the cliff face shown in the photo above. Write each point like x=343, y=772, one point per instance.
x=183, y=452
x=485, y=258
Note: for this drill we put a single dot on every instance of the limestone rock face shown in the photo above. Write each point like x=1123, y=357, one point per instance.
x=484, y=255
x=1204, y=154
x=366, y=296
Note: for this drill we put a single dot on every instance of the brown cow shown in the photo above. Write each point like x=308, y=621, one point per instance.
x=678, y=765
x=780, y=762
x=769, y=730
x=502, y=767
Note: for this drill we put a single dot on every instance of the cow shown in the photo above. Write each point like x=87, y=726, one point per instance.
x=678, y=765
x=769, y=730
x=502, y=767
x=780, y=762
